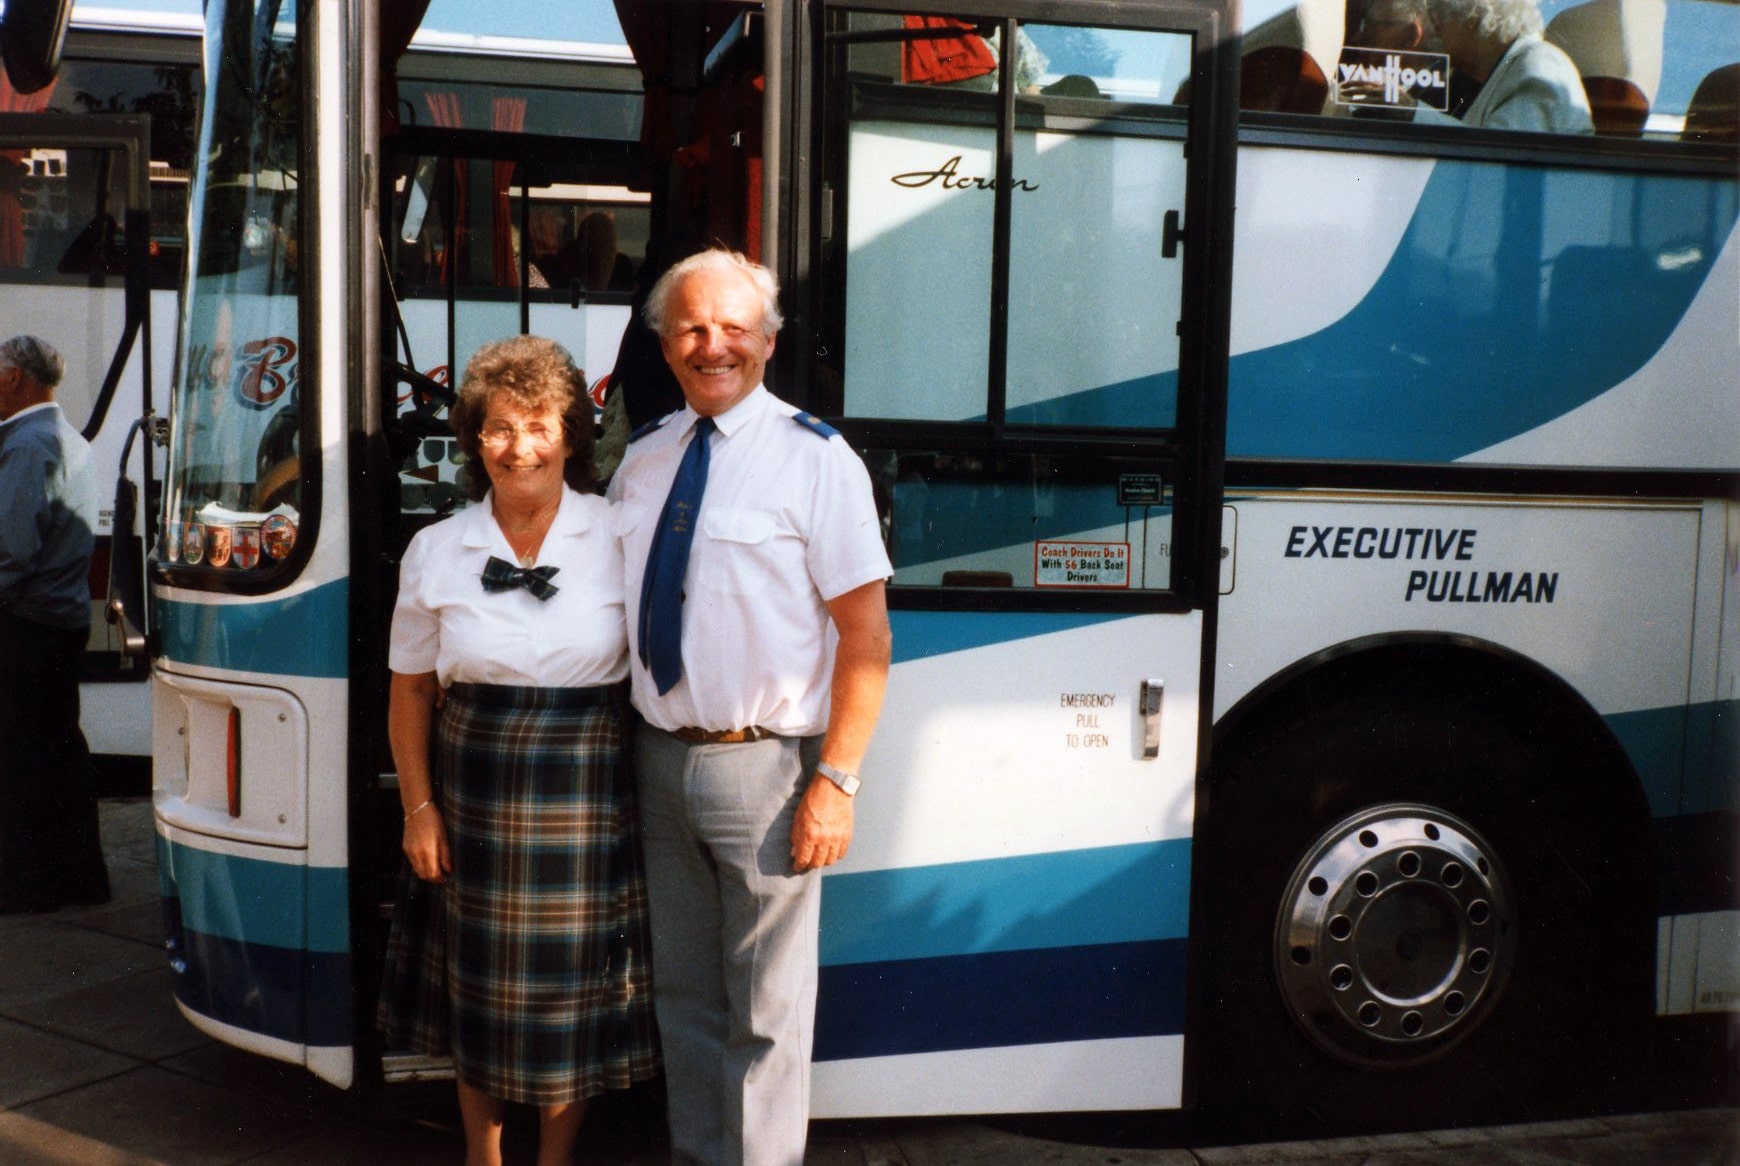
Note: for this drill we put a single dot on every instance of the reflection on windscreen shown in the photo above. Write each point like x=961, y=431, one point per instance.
x=235, y=482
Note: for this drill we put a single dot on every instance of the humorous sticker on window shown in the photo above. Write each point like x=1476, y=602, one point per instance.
x=1065, y=563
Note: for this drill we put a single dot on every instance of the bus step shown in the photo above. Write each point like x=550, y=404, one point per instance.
x=397, y=1068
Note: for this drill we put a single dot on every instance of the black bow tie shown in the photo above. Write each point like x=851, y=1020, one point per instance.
x=501, y=575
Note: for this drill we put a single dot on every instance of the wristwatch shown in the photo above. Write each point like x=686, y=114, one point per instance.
x=848, y=782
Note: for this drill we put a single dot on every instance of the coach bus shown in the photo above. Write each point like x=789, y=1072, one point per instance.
x=94, y=160
x=1315, y=518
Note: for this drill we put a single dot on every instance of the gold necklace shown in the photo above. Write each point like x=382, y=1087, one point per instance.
x=541, y=518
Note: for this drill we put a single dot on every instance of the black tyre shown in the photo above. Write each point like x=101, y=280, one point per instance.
x=1421, y=907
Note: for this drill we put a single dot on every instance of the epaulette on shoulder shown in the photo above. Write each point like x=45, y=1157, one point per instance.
x=815, y=424
x=649, y=427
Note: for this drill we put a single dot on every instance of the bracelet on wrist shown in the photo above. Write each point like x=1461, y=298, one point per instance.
x=419, y=808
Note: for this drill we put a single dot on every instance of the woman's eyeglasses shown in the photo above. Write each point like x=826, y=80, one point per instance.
x=501, y=435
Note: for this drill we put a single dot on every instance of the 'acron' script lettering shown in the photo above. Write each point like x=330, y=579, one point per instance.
x=949, y=175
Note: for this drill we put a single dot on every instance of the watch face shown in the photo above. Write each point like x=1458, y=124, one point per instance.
x=848, y=782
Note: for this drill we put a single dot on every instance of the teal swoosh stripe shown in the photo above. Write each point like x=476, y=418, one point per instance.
x=1455, y=348
x=300, y=635
x=1074, y=898
x=918, y=635
x=1686, y=756
x=258, y=902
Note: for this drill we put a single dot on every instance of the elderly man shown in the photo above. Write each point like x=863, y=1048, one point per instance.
x=50, y=854
x=752, y=544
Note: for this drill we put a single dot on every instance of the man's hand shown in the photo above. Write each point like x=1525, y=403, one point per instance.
x=821, y=831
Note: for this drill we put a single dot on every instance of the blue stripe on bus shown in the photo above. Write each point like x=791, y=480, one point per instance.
x=1074, y=898
x=298, y=635
x=919, y=635
x=1447, y=354
x=1686, y=756
x=252, y=901
x=1001, y=999
x=1451, y=352
x=1695, y=857
x=303, y=997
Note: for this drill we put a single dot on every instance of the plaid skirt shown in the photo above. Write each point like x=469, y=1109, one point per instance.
x=530, y=964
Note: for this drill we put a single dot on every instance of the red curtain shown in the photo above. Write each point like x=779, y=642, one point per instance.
x=943, y=60
x=508, y=116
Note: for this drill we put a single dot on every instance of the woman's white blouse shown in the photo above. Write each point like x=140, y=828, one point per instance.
x=446, y=623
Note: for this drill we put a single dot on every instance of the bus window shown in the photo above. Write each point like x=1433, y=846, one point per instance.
x=167, y=91
x=1098, y=162
x=55, y=200
x=1025, y=290
x=1027, y=521
x=235, y=478
x=1618, y=68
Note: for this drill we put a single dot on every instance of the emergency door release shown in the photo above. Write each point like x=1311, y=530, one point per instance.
x=1152, y=693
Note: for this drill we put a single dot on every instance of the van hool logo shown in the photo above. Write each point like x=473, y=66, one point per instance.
x=949, y=175
x=1377, y=77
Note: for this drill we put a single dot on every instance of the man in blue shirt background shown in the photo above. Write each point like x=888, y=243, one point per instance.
x=50, y=852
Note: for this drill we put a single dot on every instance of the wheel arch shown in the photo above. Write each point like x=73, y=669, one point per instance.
x=1464, y=727
x=1462, y=667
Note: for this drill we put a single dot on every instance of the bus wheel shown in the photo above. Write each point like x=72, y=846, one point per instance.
x=1395, y=935
x=1420, y=911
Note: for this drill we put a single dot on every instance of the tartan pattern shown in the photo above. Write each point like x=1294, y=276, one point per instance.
x=539, y=937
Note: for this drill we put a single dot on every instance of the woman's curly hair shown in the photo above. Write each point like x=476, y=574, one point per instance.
x=535, y=374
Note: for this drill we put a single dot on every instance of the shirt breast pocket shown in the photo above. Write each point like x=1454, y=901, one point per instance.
x=742, y=552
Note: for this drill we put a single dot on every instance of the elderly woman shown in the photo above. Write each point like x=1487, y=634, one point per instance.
x=1525, y=82
x=508, y=648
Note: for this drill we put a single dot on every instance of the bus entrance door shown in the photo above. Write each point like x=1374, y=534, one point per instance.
x=1004, y=219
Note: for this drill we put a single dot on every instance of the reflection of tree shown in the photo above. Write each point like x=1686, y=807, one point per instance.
x=251, y=121
x=171, y=105
x=250, y=144
x=1075, y=50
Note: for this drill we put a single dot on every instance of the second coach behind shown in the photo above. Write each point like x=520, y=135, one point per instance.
x=759, y=648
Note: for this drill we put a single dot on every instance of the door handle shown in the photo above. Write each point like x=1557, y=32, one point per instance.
x=1153, y=692
x=1171, y=235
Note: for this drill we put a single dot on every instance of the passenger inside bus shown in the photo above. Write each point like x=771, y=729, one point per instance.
x=591, y=258
x=1597, y=68
x=1526, y=82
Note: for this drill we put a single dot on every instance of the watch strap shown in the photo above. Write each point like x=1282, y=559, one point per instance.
x=848, y=782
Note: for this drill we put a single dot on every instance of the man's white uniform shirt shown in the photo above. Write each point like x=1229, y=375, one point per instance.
x=787, y=523
x=446, y=623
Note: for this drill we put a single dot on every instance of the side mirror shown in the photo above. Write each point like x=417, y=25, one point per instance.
x=31, y=36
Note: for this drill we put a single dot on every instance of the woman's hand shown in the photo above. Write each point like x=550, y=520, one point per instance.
x=426, y=845
x=412, y=699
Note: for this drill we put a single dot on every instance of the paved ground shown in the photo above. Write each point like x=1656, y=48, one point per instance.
x=98, y=1069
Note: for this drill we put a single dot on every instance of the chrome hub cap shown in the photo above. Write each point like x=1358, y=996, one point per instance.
x=1395, y=936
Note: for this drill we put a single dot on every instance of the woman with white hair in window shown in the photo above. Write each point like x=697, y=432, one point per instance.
x=1526, y=82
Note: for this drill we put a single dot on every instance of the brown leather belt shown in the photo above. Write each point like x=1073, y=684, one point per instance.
x=722, y=736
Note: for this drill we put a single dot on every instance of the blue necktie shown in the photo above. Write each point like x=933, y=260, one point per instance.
x=661, y=588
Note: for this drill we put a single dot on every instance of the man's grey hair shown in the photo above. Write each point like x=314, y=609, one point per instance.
x=35, y=358
x=714, y=259
x=1502, y=20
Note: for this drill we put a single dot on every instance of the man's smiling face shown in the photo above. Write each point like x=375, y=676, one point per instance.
x=713, y=339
